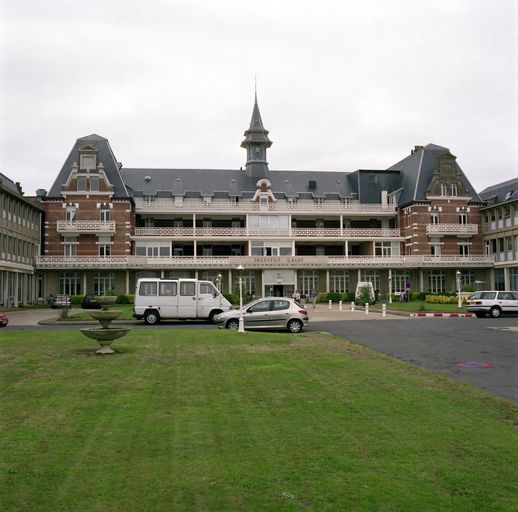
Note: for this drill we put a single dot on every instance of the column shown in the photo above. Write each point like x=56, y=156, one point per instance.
x=346, y=248
x=127, y=282
x=15, y=289
x=195, y=248
x=507, y=280
x=84, y=285
x=327, y=280
x=230, y=280
x=5, y=291
x=421, y=280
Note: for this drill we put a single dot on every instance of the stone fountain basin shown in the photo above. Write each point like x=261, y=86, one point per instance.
x=104, y=315
x=105, y=333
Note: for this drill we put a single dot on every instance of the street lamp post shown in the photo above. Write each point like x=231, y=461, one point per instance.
x=390, y=289
x=241, y=319
x=459, y=301
x=220, y=277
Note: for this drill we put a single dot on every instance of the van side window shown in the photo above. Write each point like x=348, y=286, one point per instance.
x=148, y=289
x=207, y=288
x=188, y=288
x=169, y=289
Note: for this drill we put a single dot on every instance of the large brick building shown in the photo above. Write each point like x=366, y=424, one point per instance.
x=413, y=225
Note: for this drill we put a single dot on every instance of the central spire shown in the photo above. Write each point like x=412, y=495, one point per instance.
x=256, y=142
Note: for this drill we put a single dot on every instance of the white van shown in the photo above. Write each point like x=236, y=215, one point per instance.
x=171, y=299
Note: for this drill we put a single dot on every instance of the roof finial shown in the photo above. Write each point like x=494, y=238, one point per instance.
x=255, y=79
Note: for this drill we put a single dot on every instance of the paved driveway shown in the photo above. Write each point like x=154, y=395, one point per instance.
x=440, y=343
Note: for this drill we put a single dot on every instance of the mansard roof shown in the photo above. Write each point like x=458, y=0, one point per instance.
x=417, y=171
x=505, y=191
x=284, y=184
x=105, y=155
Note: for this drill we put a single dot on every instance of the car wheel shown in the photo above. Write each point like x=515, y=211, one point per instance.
x=294, y=326
x=495, y=312
x=480, y=315
x=151, y=317
x=213, y=314
x=233, y=324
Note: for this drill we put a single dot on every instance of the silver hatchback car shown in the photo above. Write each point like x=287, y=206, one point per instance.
x=267, y=313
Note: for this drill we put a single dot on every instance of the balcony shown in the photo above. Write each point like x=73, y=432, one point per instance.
x=260, y=262
x=81, y=262
x=166, y=205
x=85, y=226
x=297, y=233
x=451, y=229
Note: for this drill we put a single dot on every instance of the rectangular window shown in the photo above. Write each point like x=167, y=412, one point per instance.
x=94, y=184
x=339, y=281
x=453, y=190
x=148, y=289
x=400, y=281
x=383, y=249
x=105, y=244
x=372, y=276
x=188, y=288
x=307, y=280
x=463, y=218
x=104, y=282
x=104, y=214
x=70, y=283
x=434, y=218
x=168, y=288
x=70, y=213
x=87, y=162
x=81, y=184
x=444, y=189
x=437, y=281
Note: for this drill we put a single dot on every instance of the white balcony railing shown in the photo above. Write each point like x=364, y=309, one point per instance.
x=198, y=205
x=260, y=262
x=452, y=229
x=318, y=233
x=85, y=226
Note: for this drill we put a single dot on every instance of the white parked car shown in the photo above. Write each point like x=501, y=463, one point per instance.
x=267, y=313
x=493, y=303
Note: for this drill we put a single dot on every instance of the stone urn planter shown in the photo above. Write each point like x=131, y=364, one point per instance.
x=105, y=334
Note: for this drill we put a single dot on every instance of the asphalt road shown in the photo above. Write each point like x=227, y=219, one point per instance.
x=439, y=344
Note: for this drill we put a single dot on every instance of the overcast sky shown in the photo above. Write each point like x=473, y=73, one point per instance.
x=341, y=84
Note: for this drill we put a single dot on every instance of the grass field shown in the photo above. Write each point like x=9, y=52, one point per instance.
x=214, y=420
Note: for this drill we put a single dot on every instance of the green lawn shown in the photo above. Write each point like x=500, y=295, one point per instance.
x=201, y=420
x=127, y=312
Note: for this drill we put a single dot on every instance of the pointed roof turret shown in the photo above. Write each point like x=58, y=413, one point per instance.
x=256, y=142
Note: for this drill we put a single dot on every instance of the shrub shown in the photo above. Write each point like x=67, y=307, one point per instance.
x=364, y=296
x=469, y=288
x=76, y=299
x=123, y=299
x=443, y=299
x=233, y=298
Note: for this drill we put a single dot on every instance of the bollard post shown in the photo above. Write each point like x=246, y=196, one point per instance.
x=340, y=306
x=366, y=308
x=330, y=302
x=384, y=310
x=352, y=306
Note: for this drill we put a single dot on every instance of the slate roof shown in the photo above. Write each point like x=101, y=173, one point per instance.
x=9, y=184
x=105, y=155
x=227, y=182
x=417, y=171
x=505, y=191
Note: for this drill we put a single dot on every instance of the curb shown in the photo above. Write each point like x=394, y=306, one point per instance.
x=442, y=315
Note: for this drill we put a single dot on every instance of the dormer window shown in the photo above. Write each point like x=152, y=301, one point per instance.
x=444, y=189
x=94, y=184
x=453, y=189
x=81, y=184
x=87, y=162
